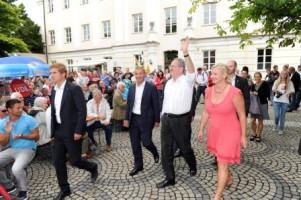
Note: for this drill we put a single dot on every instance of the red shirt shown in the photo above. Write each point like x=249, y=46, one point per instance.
x=159, y=82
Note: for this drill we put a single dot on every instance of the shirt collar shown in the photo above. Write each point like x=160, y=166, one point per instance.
x=142, y=85
x=60, y=88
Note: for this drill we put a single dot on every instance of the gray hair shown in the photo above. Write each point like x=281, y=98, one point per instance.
x=2, y=104
x=181, y=62
x=96, y=92
x=15, y=95
x=119, y=84
x=39, y=101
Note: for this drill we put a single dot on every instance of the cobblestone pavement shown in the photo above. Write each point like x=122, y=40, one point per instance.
x=269, y=170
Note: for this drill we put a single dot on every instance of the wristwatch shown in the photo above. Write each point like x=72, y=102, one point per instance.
x=186, y=55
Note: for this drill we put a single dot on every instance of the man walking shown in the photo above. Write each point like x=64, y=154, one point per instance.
x=176, y=116
x=68, y=118
x=202, y=82
x=142, y=114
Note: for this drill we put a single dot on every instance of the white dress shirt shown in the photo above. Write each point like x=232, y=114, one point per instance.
x=233, y=80
x=202, y=79
x=178, y=94
x=58, y=100
x=138, y=98
x=103, y=109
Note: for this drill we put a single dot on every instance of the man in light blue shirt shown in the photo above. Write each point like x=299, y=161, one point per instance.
x=21, y=131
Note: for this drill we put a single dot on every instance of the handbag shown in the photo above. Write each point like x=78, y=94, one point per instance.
x=254, y=106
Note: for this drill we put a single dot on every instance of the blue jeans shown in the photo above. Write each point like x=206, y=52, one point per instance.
x=271, y=95
x=293, y=105
x=280, y=111
x=200, y=90
x=107, y=129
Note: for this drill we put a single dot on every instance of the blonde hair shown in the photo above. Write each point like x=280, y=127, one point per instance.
x=224, y=69
x=60, y=67
x=278, y=81
x=258, y=74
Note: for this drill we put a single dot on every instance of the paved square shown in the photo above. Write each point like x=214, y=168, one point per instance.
x=269, y=170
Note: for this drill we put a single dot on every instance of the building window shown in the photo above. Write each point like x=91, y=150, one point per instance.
x=138, y=23
x=68, y=35
x=86, y=32
x=84, y=2
x=209, y=13
x=138, y=60
x=170, y=20
x=264, y=59
x=50, y=6
x=52, y=37
x=106, y=29
x=209, y=58
x=69, y=61
x=66, y=4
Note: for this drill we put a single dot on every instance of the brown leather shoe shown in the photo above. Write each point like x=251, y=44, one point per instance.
x=108, y=148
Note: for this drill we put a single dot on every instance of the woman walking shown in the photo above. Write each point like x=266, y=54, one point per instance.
x=261, y=93
x=225, y=135
x=283, y=88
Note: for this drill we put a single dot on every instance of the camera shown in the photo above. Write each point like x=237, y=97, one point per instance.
x=278, y=94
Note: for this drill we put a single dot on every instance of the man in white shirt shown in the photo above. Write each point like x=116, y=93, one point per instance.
x=99, y=110
x=176, y=116
x=202, y=82
x=142, y=114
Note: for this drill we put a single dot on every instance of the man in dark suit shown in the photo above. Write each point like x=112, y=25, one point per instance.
x=68, y=119
x=240, y=83
x=142, y=114
x=295, y=78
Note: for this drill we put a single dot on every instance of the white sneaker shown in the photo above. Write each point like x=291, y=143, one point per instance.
x=274, y=129
x=280, y=132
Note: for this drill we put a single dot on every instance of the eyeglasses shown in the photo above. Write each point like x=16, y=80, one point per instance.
x=3, y=111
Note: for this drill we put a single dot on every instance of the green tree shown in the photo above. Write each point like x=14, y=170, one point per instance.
x=9, y=23
x=30, y=32
x=280, y=20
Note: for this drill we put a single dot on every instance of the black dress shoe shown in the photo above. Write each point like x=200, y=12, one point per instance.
x=63, y=194
x=165, y=183
x=177, y=153
x=135, y=171
x=289, y=110
x=156, y=158
x=192, y=172
x=94, y=174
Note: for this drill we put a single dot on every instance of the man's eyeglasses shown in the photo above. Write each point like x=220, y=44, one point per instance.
x=4, y=111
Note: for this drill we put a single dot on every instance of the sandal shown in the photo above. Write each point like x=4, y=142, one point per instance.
x=258, y=139
x=253, y=137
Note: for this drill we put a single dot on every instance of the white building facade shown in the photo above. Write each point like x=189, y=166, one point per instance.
x=131, y=33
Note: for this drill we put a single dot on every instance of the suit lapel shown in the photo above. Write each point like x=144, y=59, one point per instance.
x=146, y=87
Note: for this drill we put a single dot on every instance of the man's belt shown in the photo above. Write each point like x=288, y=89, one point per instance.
x=176, y=116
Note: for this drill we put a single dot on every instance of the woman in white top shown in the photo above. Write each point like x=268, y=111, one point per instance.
x=283, y=88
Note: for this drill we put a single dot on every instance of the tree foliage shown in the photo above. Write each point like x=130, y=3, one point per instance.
x=30, y=32
x=18, y=33
x=279, y=20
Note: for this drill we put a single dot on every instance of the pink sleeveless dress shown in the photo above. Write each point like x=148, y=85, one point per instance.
x=224, y=130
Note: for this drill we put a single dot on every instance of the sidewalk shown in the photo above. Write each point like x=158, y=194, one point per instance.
x=269, y=170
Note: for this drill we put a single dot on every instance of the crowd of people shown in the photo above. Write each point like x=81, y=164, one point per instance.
x=66, y=109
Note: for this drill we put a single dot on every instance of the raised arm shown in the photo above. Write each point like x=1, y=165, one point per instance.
x=188, y=61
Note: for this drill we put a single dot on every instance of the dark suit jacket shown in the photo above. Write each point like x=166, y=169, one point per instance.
x=296, y=81
x=73, y=111
x=242, y=84
x=149, y=104
x=263, y=92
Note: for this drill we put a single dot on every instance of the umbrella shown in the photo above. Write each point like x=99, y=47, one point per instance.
x=15, y=66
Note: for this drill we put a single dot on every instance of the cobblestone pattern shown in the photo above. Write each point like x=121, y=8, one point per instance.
x=269, y=170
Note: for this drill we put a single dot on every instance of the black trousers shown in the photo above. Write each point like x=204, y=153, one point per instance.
x=63, y=145
x=177, y=129
x=141, y=133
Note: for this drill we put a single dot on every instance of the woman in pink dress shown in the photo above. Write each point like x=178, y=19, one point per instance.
x=227, y=130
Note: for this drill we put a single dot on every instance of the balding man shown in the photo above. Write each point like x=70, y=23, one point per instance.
x=142, y=114
x=176, y=116
x=240, y=83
